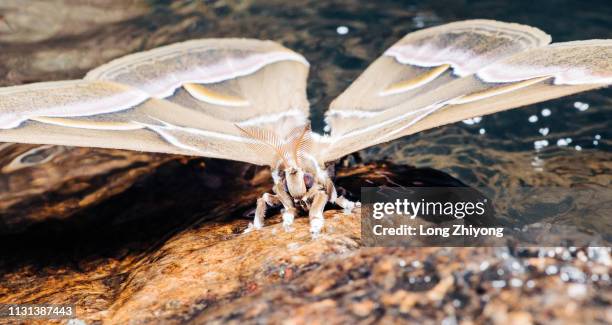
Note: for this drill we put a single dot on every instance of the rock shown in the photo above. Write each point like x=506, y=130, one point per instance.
x=207, y=271
x=363, y=308
x=43, y=183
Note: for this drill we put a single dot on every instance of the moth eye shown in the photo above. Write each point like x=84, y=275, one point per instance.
x=308, y=179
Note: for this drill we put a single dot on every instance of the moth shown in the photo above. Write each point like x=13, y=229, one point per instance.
x=245, y=100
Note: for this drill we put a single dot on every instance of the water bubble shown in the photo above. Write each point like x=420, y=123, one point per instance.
x=562, y=143
x=581, y=106
x=569, y=272
x=450, y=320
x=498, y=283
x=76, y=321
x=342, y=30
x=402, y=263
x=578, y=148
x=564, y=277
x=544, y=131
x=597, y=137
x=551, y=269
x=484, y=265
x=595, y=142
x=540, y=144
x=566, y=255
x=537, y=162
x=576, y=290
x=600, y=255
x=416, y=264
x=419, y=22
x=482, y=131
x=546, y=112
x=533, y=119
x=472, y=121
x=516, y=282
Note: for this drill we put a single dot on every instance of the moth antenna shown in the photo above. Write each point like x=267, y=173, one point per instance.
x=303, y=144
x=264, y=139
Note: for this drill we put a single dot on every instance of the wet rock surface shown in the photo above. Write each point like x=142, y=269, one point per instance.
x=134, y=238
x=180, y=266
x=46, y=183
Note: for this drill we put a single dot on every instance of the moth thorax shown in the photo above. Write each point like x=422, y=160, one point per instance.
x=295, y=182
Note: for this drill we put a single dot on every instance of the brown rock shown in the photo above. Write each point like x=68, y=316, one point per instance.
x=363, y=308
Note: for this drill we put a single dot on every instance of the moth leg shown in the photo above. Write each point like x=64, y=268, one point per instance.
x=316, y=213
x=346, y=204
x=260, y=211
x=341, y=201
x=311, y=193
x=287, y=202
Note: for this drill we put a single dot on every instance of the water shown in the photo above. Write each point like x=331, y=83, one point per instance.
x=564, y=142
x=42, y=40
x=340, y=38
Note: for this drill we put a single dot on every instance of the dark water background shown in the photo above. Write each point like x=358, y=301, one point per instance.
x=65, y=45
x=52, y=40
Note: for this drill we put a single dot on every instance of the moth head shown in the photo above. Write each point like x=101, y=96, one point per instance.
x=289, y=149
x=296, y=185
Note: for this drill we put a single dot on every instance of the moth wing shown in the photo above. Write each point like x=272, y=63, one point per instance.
x=108, y=115
x=252, y=83
x=141, y=102
x=414, y=84
x=533, y=76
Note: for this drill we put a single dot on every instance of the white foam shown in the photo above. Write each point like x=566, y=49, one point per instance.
x=472, y=121
x=581, y=106
x=342, y=30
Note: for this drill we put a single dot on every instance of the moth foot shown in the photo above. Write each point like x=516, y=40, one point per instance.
x=288, y=221
x=249, y=228
x=252, y=226
x=316, y=225
x=349, y=206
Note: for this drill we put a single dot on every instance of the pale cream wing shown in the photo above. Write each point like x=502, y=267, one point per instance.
x=109, y=115
x=250, y=82
x=423, y=61
x=525, y=78
x=530, y=77
x=186, y=98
